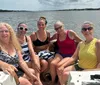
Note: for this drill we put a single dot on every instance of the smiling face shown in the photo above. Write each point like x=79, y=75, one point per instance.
x=87, y=29
x=41, y=24
x=4, y=33
x=22, y=28
x=58, y=27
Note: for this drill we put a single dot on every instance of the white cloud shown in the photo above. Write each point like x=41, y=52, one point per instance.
x=47, y=4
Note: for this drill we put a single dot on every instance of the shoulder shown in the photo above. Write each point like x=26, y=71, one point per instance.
x=72, y=32
x=28, y=37
x=48, y=34
x=97, y=43
x=55, y=35
x=79, y=44
x=32, y=36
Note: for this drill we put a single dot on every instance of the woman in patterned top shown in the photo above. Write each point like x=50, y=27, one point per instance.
x=11, y=60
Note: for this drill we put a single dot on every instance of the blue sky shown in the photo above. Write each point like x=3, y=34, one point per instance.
x=36, y=5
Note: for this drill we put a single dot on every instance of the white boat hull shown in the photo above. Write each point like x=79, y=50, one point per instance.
x=84, y=78
x=6, y=79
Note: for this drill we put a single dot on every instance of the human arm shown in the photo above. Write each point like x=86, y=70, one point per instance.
x=54, y=37
x=33, y=37
x=98, y=53
x=48, y=35
x=74, y=57
x=34, y=57
x=25, y=67
x=10, y=69
x=70, y=60
x=75, y=36
x=7, y=67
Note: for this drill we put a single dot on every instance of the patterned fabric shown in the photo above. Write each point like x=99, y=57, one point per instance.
x=45, y=54
x=25, y=52
x=13, y=61
x=9, y=59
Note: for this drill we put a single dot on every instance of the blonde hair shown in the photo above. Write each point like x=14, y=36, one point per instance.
x=14, y=40
x=88, y=22
x=59, y=23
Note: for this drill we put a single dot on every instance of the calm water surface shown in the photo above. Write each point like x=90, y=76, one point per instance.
x=72, y=19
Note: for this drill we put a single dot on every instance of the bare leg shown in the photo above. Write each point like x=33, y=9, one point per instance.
x=44, y=65
x=64, y=60
x=53, y=65
x=63, y=77
x=37, y=72
x=38, y=76
x=24, y=81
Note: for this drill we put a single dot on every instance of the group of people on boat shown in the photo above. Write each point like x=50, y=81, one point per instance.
x=25, y=57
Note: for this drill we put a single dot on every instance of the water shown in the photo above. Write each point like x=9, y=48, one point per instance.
x=72, y=19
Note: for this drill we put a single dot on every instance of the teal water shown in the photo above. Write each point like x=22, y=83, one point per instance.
x=72, y=19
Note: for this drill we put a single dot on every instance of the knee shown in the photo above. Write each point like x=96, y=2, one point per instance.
x=32, y=70
x=44, y=63
x=65, y=76
x=53, y=63
x=24, y=81
x=62, y=73
x=65, y=73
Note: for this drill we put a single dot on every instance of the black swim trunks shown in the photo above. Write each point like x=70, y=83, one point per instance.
x=77, y=68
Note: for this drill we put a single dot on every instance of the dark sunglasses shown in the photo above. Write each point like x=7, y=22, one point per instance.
x=22, y=28
x=85, y=29
x=57, y=28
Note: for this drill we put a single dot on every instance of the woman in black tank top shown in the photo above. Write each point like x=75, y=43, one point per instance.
x=37, y=42
x=40, y=40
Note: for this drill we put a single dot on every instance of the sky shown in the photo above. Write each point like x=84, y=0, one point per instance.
x=37, y=5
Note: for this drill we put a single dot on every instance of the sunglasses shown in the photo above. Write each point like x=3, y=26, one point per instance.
x=85, y=29
x=57, y=28
x=22, y=28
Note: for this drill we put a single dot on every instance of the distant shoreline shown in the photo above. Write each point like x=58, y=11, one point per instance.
x=1, y=10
